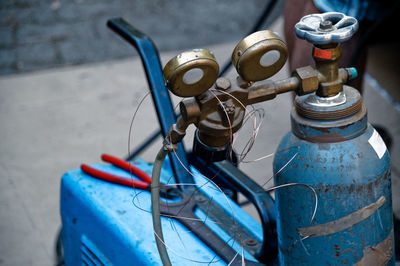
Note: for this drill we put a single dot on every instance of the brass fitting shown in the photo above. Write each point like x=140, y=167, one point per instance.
x=190, y=113
x=222, y=84
x=327, y=64
x=308, y=78
x=175, y=135
x=222, y=113
x=327, y=79
x=190, y=110
x=227, y=112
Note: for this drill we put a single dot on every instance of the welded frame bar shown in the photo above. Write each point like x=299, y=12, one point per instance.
x=228, y=175
x=162, y=101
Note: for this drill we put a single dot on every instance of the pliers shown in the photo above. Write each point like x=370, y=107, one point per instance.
x=144, y=184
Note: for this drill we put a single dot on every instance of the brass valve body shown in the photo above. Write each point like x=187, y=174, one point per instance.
x=327, y=64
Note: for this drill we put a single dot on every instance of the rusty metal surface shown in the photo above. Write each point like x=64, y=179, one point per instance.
x=352, y=105
x=379, y=254
x=343, y=222
x=329, y=132
x=184, y=212
x=348, y=176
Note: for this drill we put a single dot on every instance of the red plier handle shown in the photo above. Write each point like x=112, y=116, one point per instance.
x=144, y=183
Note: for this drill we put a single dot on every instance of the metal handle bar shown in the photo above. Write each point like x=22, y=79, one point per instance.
x=162, y=101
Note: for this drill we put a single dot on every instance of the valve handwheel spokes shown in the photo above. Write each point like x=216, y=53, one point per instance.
x=330, y=27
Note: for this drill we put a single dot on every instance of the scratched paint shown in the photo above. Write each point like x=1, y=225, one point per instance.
x=379, y=254
x=342, y=223
x=354, y=193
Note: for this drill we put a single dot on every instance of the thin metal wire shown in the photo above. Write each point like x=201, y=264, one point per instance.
x=256, y=116
x=256, y=126
x=300, y=184
x=284, y=166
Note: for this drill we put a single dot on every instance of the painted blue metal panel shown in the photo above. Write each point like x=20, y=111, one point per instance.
x=348, y=176
x=108, y=216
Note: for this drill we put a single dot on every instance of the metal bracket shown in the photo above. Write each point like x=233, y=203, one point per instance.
x=229, y=176
x=183, y=211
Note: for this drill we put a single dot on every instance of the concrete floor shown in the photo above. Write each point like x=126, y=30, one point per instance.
x=54, y=120
x=42, y=34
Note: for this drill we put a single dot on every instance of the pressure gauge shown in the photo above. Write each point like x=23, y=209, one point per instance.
x=259, y=55
x=191, y=73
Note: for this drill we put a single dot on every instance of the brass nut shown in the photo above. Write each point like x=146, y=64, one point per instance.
x=223, y=84
x=175, y=135
x=308, y=77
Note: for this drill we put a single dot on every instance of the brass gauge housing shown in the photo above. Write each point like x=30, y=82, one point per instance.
x=259, y=55
x=191, y=73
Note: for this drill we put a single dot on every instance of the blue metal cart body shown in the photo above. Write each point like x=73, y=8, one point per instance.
x=108, y=224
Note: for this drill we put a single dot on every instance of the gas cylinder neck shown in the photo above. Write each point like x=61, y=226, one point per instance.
x=344, y=104
x=329, y=123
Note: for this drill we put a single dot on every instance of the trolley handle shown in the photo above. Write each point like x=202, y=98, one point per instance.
x=162, y=101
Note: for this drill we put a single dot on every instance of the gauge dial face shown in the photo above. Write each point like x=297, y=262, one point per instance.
x=191, y=73
x=259, y=55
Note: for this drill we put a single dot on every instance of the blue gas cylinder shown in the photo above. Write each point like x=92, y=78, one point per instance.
x=333, y=150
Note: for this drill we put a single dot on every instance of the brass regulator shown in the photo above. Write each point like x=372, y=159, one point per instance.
x=217, y=105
